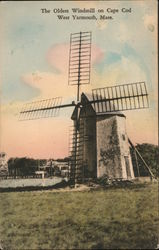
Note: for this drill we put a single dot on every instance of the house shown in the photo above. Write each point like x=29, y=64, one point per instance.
x=52, y=167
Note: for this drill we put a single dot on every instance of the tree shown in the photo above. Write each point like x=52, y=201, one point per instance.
x=150, y=154
x=22, y=166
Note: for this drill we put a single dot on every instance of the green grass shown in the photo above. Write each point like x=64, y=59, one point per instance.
x=102, y=219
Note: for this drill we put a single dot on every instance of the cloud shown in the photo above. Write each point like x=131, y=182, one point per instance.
x=97, y=55
x=49, y=84
x=11, y=109
x=119, y=72
x=58, y=56
x=56, y=84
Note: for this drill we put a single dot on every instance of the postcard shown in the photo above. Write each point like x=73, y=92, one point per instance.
x=79, y=125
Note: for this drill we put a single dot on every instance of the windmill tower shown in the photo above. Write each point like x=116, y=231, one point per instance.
x=100, y=145
x=102, y=131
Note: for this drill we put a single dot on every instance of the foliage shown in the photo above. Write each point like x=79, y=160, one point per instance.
x=22, y=166
x=27, y=166
x=106, y=181
x=66, y=159
x=150, y=154
x=124, y=218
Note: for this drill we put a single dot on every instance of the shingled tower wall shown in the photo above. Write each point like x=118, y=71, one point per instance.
x=113, y=154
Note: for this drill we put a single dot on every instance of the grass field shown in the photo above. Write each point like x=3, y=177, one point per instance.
x=114, y=218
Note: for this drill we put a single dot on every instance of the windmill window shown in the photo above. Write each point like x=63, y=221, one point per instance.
x=123, y=136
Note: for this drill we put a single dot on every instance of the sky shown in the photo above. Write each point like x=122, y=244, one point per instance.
x=34, y=59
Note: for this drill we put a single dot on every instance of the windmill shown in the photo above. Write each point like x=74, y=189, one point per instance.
x=99, y=144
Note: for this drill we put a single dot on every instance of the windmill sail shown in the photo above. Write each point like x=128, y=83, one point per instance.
x=79, y=59
x=120, y=97
x=43, y=109
x=79, y=73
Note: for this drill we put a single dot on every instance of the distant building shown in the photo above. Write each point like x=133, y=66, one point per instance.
x=40, y=174
x=3, y=164
x=62, y=166
x=57, y=168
